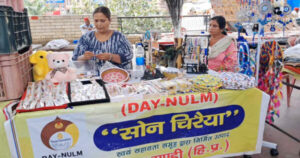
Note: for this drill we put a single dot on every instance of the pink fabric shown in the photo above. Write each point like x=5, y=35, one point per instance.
x=226, y=61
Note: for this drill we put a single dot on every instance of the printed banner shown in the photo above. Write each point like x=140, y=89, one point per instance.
x=59, y=136
x=4, y=144
x=225, y=123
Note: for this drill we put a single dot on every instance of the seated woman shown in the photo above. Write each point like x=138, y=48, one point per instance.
x=104, y=44
x=222, y=48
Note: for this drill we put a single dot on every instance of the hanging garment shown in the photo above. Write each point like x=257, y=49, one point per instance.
x=245, y=65
x=270, y=76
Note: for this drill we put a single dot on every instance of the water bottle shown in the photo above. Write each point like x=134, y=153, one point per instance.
x=140, y=57
x=139, y=68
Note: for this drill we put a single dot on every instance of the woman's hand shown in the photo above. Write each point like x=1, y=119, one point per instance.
x=88, y=55
x=109, y=57
x=104, y=56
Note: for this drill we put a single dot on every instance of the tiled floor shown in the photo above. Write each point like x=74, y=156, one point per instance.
x=288, y=121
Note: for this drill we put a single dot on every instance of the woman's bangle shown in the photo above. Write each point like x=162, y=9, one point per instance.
x=111, y=56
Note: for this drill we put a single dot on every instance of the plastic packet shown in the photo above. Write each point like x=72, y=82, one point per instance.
x=184, y=85
x=113, y=89
x=170, y=87
x=27, y=99
x=107, y=65
x=86, y=92
x=206, y=83
x=236, y=80
x=98, y=90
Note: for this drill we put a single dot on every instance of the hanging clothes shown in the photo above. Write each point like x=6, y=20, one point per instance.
x=245, y=65
x=270, y=76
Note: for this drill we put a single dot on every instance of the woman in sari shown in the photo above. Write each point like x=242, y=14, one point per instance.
x=223, y=52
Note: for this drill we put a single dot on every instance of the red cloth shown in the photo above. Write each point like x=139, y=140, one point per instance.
x=56, y=12
x=292, y=68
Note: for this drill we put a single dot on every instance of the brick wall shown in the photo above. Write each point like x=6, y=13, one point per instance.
x=47, y=28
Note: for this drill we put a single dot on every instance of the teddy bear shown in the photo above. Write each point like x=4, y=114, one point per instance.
x=40, y=65
x=59, y=63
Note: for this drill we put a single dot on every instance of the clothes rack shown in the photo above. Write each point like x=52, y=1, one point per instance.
x=273, y=146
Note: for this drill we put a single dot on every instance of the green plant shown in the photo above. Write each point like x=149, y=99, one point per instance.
x=36, y=7
x=170, y=56
x=82, y=7
x=119, y=8
x=133, y=8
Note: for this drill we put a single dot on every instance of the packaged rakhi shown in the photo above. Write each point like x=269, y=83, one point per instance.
x=206, y=83
x=121, y=89
x=44, y=95
x=170, y=86
x=233, y=80
x=183, y=85
x=157, y=84
x=82, y=91
x=87, y=92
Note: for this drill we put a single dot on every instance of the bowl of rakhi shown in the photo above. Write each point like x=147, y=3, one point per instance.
x=114, y=75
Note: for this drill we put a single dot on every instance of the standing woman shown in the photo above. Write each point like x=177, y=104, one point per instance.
x=223, y=52
x=104, y=44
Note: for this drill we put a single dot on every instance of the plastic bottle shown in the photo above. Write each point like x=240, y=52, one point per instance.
x=140, y=57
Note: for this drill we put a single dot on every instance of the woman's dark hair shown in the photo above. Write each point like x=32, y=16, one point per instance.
x=103, y=10
x=221, y=21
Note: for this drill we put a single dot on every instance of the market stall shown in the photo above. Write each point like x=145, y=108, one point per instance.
x=98, y=106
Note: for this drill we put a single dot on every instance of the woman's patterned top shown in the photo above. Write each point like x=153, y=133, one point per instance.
x=116, y=44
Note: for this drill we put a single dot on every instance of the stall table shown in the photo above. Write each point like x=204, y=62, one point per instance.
x=288, y=74
x=221, y=124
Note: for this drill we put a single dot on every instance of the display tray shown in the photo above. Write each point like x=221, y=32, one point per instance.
x=41, y=108
x=101, y=83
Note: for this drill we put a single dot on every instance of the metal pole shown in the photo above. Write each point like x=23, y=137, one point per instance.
x=120, y=23
x=259, y=42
